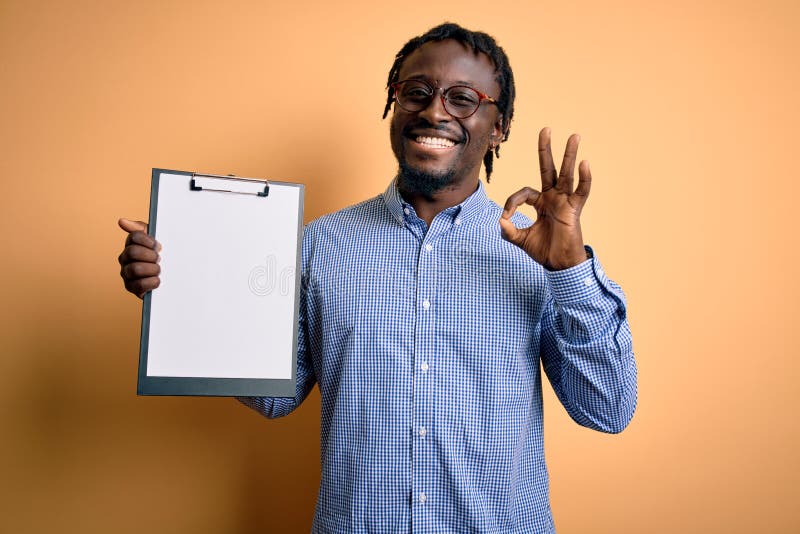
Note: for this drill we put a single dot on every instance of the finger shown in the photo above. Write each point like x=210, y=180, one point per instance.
x=138, y=270
x=132, y=226
x=134, y=253
x=546, y=165
x=526, y=195
x=511, y=233
x=141, y=238
x=565, y=177
x=142, y=286
x=584, y=180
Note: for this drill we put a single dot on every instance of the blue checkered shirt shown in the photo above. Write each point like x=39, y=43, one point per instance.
x=426, y=345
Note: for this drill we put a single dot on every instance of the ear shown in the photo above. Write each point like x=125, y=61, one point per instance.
x=496, y=135
x=498, y=130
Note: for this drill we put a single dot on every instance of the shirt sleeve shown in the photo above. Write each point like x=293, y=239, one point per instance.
x=273, y=407
x=587, y=349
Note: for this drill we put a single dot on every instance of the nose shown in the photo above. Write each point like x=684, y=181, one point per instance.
x=435, y=112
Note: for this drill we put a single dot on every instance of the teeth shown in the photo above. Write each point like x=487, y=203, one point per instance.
x=437, y=142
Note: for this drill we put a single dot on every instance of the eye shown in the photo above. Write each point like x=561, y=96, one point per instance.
x=415, y=91
x=463, y=97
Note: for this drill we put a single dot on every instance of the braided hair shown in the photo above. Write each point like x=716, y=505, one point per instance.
x=478, y=42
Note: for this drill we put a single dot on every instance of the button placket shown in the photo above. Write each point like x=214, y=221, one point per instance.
x=424, y=351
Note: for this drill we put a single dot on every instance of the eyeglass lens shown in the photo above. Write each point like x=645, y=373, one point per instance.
x=459, y=101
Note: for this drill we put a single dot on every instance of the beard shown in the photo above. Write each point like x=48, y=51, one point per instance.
x=426, y=184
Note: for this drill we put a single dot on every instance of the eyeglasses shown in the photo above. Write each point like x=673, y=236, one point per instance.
x=460, y=101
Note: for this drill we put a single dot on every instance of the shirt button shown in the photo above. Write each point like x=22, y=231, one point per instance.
x=406, y=211
x=422, y=498
x=587, y=282
x=426, y=304
x=423, y=432
x=424, y=367
x=428, y=247
x=458, y=220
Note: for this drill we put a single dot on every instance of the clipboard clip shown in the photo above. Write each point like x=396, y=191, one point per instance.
x=231, y=179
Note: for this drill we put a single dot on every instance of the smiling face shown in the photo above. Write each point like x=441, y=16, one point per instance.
x=435, y=150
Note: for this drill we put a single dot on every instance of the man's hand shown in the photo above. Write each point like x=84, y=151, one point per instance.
x=555, y=239
x=139, y=259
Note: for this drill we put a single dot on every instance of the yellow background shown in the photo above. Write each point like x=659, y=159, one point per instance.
x=688, y=114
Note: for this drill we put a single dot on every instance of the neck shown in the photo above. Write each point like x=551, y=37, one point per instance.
x=427, y=207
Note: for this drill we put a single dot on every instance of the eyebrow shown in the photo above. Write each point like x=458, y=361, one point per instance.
x=425, y=78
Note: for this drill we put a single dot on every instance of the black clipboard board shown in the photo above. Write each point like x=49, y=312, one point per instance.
x=224, y=321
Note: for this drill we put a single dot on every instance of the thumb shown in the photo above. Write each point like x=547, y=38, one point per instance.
x=132, y=226
x=510, y=232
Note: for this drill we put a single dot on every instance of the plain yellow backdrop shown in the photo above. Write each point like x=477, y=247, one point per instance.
x=688, y=114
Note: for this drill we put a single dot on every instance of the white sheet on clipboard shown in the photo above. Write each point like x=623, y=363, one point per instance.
x=226, y=304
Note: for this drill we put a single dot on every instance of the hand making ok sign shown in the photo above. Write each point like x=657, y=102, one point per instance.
x=555, y=239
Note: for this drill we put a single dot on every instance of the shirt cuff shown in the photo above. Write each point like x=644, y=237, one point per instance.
x=580, y=283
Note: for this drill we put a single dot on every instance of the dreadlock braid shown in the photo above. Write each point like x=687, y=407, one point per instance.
x=479, y=42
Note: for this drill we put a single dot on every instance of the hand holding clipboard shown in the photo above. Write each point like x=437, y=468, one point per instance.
x=139, y=259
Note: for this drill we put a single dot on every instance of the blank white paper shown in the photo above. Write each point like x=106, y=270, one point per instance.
x=226, y=304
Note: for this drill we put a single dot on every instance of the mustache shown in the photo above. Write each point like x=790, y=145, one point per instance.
x=423, y=124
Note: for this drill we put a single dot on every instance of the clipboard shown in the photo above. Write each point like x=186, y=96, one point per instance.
x=224, y=321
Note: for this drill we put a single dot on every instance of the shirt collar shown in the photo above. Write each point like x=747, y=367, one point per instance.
x=472, y=206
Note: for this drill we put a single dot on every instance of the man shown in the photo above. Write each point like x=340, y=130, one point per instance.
x=424, y=328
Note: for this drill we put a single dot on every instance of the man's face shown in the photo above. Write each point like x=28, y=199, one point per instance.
x=425, y=166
